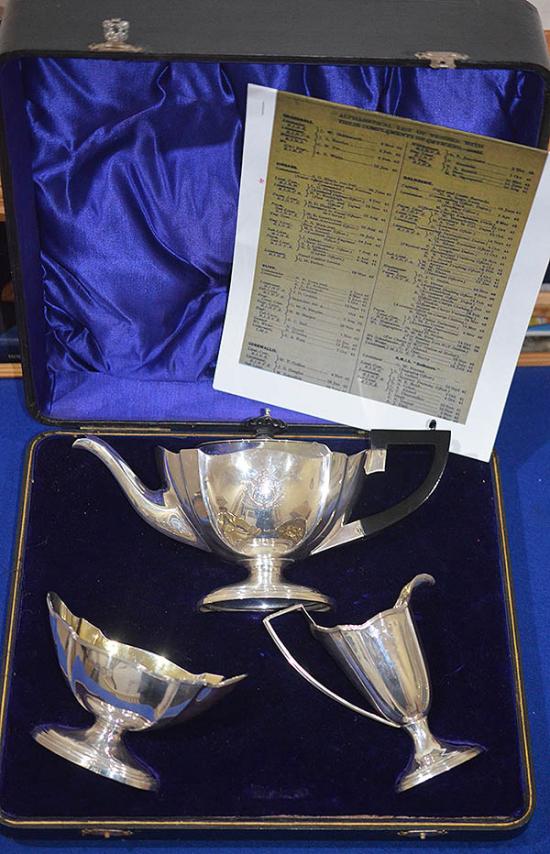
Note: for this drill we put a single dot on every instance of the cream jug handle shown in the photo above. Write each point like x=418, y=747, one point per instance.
x=305, y=674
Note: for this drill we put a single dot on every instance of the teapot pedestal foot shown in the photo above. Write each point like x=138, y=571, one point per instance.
x=247, y=596
x=98, y=749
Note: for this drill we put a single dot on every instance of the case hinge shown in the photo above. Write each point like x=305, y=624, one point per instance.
x=442, y=58
x=422, y=834
x=115, y=33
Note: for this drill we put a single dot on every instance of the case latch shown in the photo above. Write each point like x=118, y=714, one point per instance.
x=422, y=834
x=115, y=33
x=442, y=58
x=106, y=832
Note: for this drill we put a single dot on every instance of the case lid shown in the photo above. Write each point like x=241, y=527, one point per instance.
x=122, y=178
x=495, y=33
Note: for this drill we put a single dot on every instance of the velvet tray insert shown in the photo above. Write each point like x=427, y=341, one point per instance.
x=275, y=753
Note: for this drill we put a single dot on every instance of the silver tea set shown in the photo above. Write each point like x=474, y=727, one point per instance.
x=262, y=502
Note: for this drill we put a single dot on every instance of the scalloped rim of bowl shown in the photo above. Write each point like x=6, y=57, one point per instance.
x=152, y=663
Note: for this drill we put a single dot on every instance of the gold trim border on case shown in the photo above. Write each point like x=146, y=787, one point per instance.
x=284, y=822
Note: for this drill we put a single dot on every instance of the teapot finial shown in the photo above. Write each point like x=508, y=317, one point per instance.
x=265, y=426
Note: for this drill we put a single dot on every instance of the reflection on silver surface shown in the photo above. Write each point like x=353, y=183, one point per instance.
x=265, y=503
x=384, y=660
x=125, y=688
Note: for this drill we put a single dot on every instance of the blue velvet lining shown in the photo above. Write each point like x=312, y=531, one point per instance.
x=136, y=175
x=274, y=746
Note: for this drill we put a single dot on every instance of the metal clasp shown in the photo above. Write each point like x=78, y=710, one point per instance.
x=106, y=832
x=115, y=33
x=442, y=58
x=421, y=834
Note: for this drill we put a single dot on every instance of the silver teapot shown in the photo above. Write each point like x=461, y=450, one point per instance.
x=265, y=502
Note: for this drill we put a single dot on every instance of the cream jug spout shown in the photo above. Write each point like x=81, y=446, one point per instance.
x=160, y=508
x=404, y=598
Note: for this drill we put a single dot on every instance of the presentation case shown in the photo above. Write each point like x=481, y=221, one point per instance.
x=122, y=130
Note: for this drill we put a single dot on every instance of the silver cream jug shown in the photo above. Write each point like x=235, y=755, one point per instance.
x=384, y=660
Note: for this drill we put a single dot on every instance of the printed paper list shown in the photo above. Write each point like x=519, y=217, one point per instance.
x=384, y=252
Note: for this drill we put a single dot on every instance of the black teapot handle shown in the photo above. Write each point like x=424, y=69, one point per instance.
x=380, y=441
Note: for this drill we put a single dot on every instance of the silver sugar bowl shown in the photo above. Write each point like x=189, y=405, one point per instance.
x=126, y=689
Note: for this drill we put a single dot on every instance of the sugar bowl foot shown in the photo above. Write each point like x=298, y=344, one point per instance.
x=99, y=749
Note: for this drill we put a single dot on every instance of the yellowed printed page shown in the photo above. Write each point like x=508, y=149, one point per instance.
x=385, y=269
x=384, y=251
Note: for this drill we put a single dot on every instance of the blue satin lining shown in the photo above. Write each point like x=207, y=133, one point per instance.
x=136, y=172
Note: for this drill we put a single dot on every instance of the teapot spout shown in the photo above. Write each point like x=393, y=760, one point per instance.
x=159, y=508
